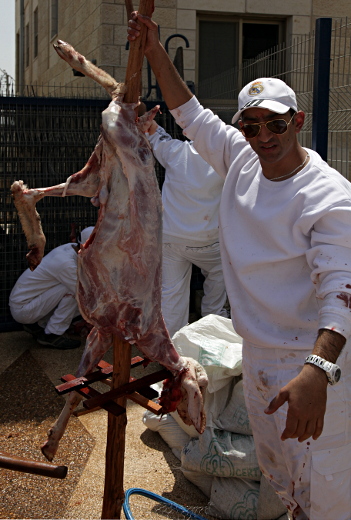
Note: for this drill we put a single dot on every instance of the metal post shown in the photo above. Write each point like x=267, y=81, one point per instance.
x=320, y=114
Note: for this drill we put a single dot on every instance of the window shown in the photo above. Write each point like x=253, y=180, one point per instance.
x=26, y=40
x=35, y=33
x=54, y=18
x=18, y=44
x=228, y=44
x=218, y=48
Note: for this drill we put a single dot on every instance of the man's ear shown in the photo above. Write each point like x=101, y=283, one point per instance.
x=299, y=121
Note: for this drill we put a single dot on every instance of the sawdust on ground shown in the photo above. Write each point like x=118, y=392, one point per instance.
x=29, y=405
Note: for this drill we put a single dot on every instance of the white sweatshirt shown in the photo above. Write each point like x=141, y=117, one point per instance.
x=59, y=266
x=285, y=246
x=190, y=205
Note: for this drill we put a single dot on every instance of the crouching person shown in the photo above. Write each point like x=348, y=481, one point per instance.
x=44, y=300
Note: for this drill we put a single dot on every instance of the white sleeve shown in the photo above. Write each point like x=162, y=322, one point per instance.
x=163, y=145
x=330, y=261
x=217, y=143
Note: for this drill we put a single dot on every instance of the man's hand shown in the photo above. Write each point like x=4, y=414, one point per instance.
x=306, y=396
x=134, y=28
x=175, y=92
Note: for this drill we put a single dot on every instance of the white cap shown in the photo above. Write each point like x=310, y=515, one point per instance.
x=270, y=93
x=85, y=234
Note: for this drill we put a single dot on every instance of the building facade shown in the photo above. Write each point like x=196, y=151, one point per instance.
x=215, y=35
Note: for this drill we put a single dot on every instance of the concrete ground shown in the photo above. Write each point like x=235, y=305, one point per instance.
x=29, y=405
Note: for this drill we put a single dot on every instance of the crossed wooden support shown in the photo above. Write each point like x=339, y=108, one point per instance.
x=123, y=387
x=137, y=390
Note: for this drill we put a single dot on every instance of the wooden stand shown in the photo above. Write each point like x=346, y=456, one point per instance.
x=122, y=387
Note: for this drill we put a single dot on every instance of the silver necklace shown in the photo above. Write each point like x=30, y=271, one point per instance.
x=298, y=167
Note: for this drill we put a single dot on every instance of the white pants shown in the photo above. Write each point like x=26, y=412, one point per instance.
x=313, y=478
x=54, y=309
x=176, y=274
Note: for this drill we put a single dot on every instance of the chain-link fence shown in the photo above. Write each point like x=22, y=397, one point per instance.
x=294, y=64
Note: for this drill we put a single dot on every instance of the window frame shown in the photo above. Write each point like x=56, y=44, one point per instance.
x=240, y=20
x=26, y=46
x=35, y=33
x=54, y=18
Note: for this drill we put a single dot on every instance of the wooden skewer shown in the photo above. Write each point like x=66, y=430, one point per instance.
x=136, y=56
x=115, y=447
x=129, y=7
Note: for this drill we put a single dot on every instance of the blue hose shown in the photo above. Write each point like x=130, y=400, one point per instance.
x=157, y=498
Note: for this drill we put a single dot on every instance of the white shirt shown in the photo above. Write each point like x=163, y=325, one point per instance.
x=285, y=246
x=59, y=266
x=191, y=191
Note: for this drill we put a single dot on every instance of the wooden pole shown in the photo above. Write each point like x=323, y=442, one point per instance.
x=136, y=55
x=115, y=447
x=116, y=430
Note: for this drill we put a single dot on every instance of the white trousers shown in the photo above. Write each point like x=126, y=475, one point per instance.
x=313, y=478
x=176, y=274
x=54, y=309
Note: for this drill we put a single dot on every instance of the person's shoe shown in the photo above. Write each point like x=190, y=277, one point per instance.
x=33, y=328
x=59, y=342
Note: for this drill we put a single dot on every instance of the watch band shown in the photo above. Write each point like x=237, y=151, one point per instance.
x=331, y=370
x=319, y=362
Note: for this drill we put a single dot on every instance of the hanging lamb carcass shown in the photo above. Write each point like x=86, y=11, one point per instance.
x=119, y=267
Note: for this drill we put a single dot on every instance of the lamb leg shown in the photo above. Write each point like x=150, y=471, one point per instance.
x=84, y=183
x=97, y=344
x=80, y=63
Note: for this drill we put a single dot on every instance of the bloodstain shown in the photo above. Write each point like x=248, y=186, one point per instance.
x=348, y=286
x=346, y=298
x=263, y=378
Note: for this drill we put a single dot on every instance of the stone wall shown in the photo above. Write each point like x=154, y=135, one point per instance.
x=97, y=28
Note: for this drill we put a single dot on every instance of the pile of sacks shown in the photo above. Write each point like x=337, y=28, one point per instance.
x=222, y=461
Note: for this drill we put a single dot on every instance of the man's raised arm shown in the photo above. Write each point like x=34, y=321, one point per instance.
x=174, y=90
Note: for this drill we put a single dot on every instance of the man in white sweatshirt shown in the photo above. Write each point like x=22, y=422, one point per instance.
x=190, y=229
x=286, y=252
x=44, y=300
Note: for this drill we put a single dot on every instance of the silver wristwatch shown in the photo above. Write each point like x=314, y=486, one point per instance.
x=333, y=372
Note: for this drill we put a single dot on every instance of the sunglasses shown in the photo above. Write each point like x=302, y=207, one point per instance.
x=277, y=126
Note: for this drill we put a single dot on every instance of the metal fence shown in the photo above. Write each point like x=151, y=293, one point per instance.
x=43, y=140
x=294, y=63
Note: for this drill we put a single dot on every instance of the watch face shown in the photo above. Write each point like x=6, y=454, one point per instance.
x=337, y=375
